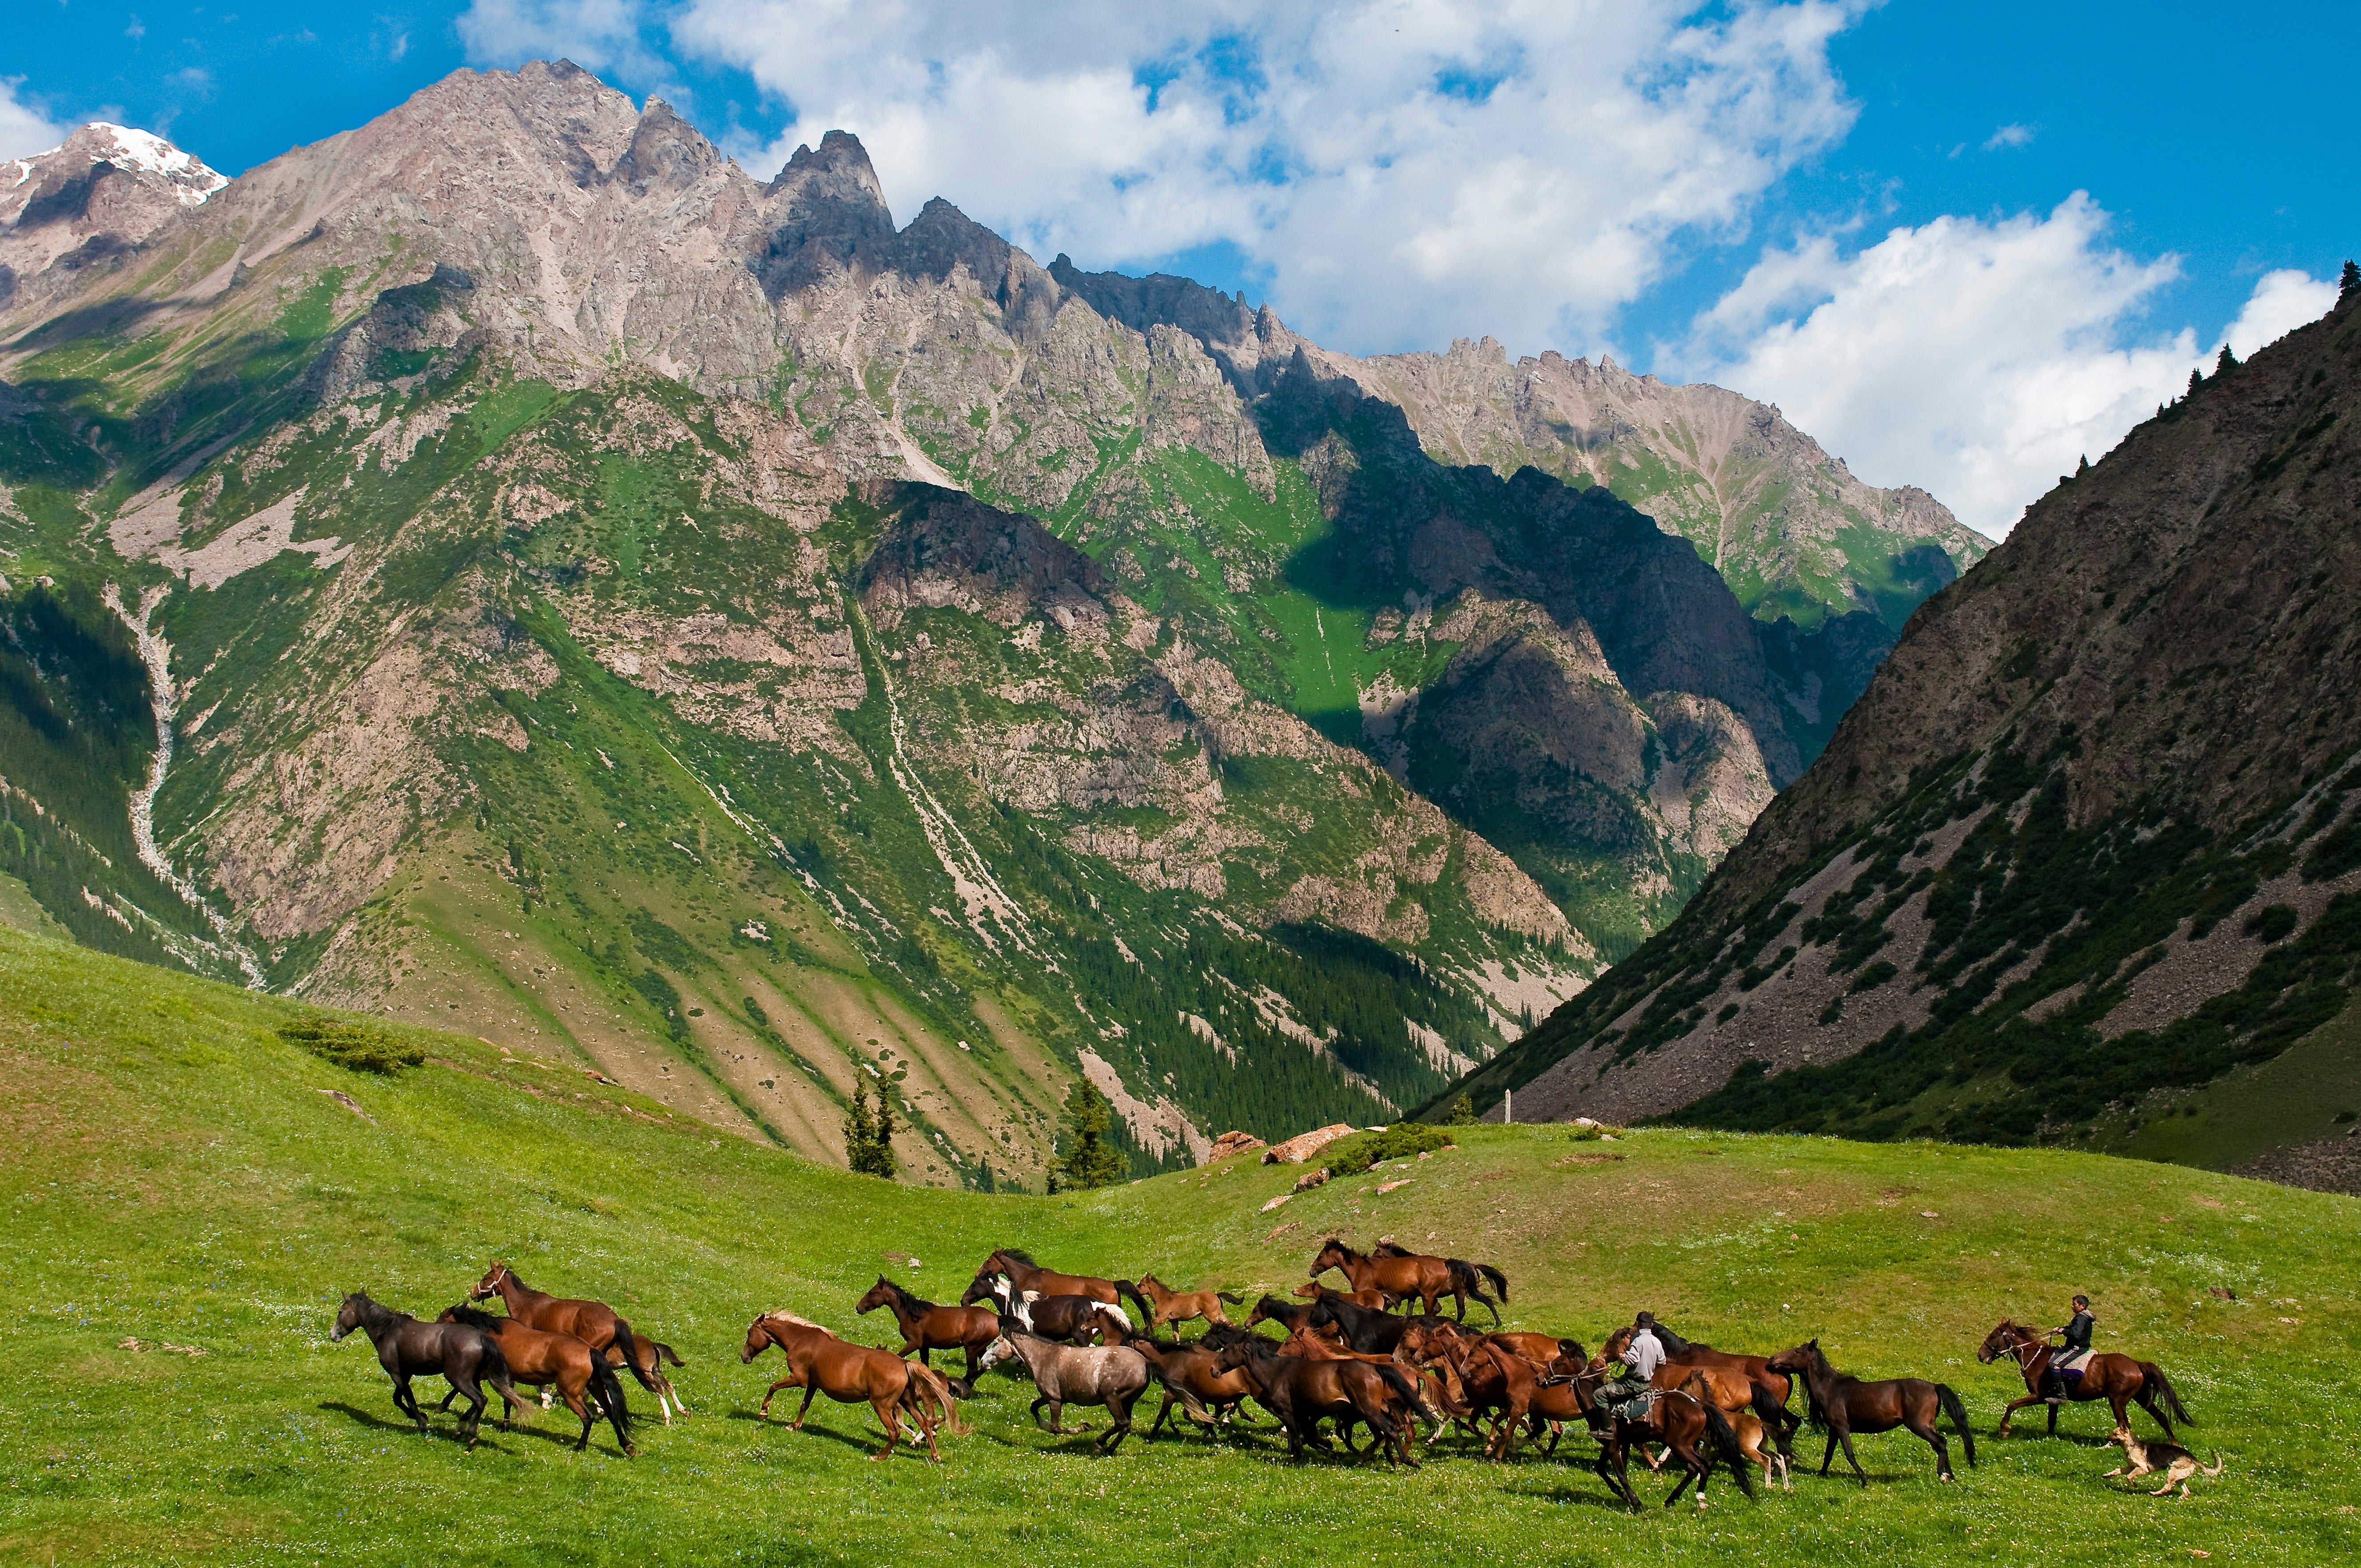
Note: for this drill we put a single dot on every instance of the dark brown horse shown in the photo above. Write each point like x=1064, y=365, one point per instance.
x=594, y=1323
x=407, y=1348
x=1027, y=1274
x=1192, y=1378
x=819, y=1363
x=926, y=1327
x=1302, y=1393
x=1271, y=1309
x=1409, y=1274
x=1685, y=1423
x=1849, y=1405
x=2117, y=1379
x=541, y=1359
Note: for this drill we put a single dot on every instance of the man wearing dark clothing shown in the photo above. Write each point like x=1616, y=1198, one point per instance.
x=2070, y=1358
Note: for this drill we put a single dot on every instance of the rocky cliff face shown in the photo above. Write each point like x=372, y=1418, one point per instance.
x=695, y=622
x=98, y=195
x=2083, y=864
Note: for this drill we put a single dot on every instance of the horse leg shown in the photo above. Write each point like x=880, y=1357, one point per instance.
x=883, y=1406
x=1830, y=1457
x=2016, y=1404
x=1844, y=1435
x=574, y=1402
x=1927, y=1429
x=407, y=1402
x=804, y=1409
x=2148, y=1403
x=1119, y=1407
x=773, y=1388
x=473, y=1420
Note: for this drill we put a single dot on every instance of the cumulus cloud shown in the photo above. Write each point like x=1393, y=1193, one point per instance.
x=2009, y=136
x=25, y=129
x=1978, y=359
x=1402, y=171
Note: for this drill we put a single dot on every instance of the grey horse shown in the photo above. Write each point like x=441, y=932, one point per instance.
x=1112, y=1375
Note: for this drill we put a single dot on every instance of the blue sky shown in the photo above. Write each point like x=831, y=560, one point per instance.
x=1960, y=244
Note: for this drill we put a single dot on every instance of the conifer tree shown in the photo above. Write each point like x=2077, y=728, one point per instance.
x=2227, y=363
x=2350, y=283
x=869, y=1137
x=1090, y=1160
x=1463, y=1112
x=2196, y=379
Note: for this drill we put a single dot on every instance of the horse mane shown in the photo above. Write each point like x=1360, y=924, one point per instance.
x=793, y=1322
x=1390, y=1249
x=474, y=1317
x=1018, y=1254
x=909, y=1299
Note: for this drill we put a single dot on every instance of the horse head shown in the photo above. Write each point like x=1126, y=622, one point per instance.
x=1333, y=1253
x=1802, y=1358
x=758, y=1340
x=881, y=1294
x=2004, y=1340
x=350, y=1317
x=1617, y=1344
x=490, y=1283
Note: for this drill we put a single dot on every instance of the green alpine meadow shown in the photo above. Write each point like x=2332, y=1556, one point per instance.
x=190, y=1199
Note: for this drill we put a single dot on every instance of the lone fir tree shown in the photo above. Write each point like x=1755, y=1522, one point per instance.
x=869, y=1135
x=2349, y=284
x=1090, y=1160
x=1463, y=1112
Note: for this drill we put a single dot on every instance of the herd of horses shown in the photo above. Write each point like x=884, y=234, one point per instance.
x=1345, y=1358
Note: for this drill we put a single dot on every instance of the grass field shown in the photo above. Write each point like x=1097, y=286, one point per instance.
x=176, y=1173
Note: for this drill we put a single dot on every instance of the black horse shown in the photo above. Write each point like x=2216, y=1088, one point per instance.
x=407, y=1348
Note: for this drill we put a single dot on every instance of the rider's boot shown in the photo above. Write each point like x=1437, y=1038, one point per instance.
x=2053, y=1388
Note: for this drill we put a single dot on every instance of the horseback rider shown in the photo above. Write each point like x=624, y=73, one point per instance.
x=2069, y=1359
x=1630, y=1395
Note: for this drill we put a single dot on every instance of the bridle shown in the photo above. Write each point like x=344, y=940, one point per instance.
x=2031, y=1340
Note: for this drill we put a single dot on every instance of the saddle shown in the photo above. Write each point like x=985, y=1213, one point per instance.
x=2071, y=1367
x=1627, y=1402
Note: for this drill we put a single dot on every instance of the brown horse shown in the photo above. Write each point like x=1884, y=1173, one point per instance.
x=1735, y=1383
x=1755, y=1441
x=1849, y=1405
x=540, y=1359
x=1302, y=1393
x=1678, y=1418
x=1376, y=1300
x=1406, y=1274
x=2117, y=1379
x=1192, y=1378
x=595, y=1324
x=1027, y=1274
x=819, y=1363
x=926, y=1327
x=1173, y=1305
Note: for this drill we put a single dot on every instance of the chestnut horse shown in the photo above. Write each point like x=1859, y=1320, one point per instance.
x=1409, y=1274
x=2117, y=1379
x=1376, y=1301
x=1179, y=1306
x=819, y=1363
x=1302, y=1393
x=1849, y=1405
x=926, y=1327
x=539, y=1359
x=595, y=1324
x=1027, y=1274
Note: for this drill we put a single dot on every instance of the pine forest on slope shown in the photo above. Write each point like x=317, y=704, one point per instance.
x=506, y=565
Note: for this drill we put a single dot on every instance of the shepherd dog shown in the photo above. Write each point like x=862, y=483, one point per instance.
x=2175, y=1464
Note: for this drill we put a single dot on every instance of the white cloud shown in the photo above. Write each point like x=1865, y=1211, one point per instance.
x=24, y=130
x=2009, y=136
x=1406, y=170
x=598, y=34
x=1980, y=361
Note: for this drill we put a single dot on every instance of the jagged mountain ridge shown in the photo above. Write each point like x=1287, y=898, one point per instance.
x=2083, y=863
x=516, y=466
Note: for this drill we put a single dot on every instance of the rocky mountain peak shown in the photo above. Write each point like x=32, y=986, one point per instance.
x=104, y=189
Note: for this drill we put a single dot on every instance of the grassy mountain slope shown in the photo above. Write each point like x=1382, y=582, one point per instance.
x=2087, y=846
x=185, y=1176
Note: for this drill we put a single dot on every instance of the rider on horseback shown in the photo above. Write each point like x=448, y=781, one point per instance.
x=2069, y=1359
x=1641, y=1355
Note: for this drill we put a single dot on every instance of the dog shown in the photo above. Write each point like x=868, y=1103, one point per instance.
x=2175, y=1464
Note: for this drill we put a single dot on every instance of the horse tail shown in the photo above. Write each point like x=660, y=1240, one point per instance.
x=1126, y=1288
x=1232, y=1297
x=1959, y=1414
x=931, y=1382
x=1724, y=1438
x=668, y=1352
x=2155, y=1373
x=628, y=1342
x=609, y=1389
x=1499, y=1280
x=1394, y=1379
